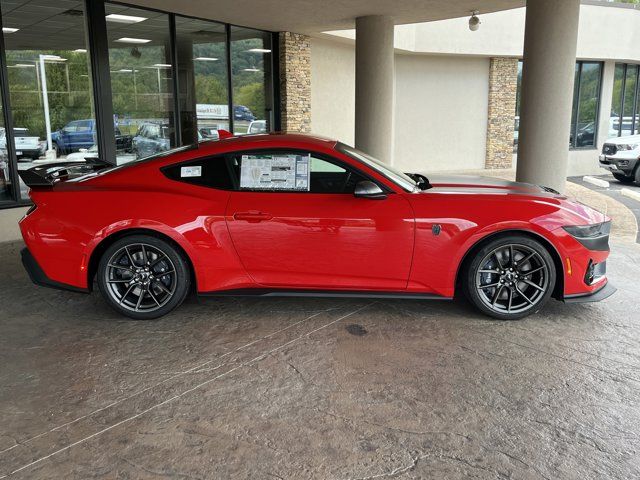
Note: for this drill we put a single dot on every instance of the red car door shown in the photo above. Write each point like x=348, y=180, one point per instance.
x=323, y=237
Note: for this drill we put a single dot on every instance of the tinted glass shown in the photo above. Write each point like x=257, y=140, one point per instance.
x=588, y=100
x=202, y=53
x=48, y=69
x=141, y=81
x=205, y=172
x=251, y=73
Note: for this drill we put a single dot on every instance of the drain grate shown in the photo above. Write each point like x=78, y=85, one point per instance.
x=355, y=329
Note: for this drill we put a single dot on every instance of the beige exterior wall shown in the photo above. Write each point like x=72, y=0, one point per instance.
x=441, y=105
x=441, y=112
x=333, y=85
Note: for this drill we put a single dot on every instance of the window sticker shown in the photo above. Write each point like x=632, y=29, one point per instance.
x=275, y=172
x=193, y=171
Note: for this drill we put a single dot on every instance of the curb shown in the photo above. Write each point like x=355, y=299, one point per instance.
x=596, y=181
x=630, y=194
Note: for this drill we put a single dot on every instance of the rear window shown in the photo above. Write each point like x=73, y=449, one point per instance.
x=21, y=132
x=211, y=172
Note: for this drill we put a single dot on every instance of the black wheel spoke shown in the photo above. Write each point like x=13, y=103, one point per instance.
x=497, y=272
x=163, y=288
x=532, y=271
x=145, y=258
x=133, y=264
x=521, y=293
x=140, y=300
x=511, y=257
x=510, y=293
x=495, y=254
x=531, y=284
x=491, y=285
x=154, y=297
x=127, y=292
x=496, y=296
x=119, y=281
x=120, y=267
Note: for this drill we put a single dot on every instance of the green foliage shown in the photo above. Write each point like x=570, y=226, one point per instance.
x=251, y=96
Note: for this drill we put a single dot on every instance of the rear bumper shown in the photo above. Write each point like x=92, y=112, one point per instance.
x=605, y=291
x=37, y=275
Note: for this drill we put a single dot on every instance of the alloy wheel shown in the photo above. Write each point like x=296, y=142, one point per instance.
x=512, y=278
x=140, y=277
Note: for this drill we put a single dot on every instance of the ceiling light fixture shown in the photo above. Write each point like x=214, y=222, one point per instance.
x=25, y=65
x=162, y=65
x=9, y=30
x=80, y=50
x=250, y=70
x=132, y=40
x=116, y=18
x=206, y=59
x=474, y=21
x=259, y=50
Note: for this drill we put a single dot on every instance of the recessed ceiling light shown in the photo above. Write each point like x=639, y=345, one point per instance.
x=250, y=69
x=162, y=65
x=206, y=59
x=80, y=50
x=116, y=18
x=132, y=40
x=126, y=70
x=9, y=30
x=25, y=65
x=259, y=50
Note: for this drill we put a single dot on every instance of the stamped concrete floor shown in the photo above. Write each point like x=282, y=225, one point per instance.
x=317, y=388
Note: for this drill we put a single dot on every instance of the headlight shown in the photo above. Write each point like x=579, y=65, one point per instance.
x=589, y=231
x=628, y=146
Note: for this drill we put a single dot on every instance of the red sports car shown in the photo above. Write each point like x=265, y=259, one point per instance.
x=282, y=214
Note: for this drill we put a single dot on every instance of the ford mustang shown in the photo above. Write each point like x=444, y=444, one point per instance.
x=284, y=214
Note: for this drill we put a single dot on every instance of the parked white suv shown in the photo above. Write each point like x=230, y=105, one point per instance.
x=620, y=156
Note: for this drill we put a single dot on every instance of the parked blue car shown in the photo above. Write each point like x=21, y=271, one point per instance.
x=240, y=112
x=82, y=134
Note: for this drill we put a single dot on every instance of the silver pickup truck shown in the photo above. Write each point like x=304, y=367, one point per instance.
x=27, y=145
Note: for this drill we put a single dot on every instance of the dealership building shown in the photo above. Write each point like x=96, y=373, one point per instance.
x=538, y=88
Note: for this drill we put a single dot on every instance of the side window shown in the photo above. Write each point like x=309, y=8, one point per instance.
x=292, y=172
x=84, y=126
x=209, y=172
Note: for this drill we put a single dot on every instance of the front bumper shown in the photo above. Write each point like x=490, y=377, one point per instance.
x=618, y=163
x=37, y=275
x=605, y=291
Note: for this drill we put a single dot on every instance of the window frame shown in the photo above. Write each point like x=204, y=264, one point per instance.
x=623, y=94
x=235, y=180
x=297, y=151
x=575, y=109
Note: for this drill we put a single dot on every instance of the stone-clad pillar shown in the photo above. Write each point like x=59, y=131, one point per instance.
x=503, y=88
x=295, y=82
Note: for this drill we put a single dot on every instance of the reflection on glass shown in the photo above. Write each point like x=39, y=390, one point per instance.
x=251, y=74
x=616, y=102
x=5, y=178
x=202, y=55
x=49, y=82
x=588, y=99
x=141, y=82
x=629, y=100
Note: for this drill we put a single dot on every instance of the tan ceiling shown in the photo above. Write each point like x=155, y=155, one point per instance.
x=313, y=16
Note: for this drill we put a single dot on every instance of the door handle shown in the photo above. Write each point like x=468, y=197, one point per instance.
x=253, y=216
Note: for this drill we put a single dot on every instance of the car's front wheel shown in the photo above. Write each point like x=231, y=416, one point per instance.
x=143, y=277
x=622, y=178
x=510, y=277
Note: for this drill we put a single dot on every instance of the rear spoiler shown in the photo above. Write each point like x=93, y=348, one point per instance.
x=49, y=174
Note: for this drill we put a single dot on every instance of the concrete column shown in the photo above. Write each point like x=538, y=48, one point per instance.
x=548, y=70
x=375, y=82
x=606, y=98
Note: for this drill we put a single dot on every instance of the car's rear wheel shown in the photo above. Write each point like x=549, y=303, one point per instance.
x=622, y=178
x=510, y=277
x=143, y=277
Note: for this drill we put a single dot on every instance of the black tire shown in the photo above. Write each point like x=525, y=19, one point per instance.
x=496, y=279
x=637, y=175
x=143, y=277
x=622, y=178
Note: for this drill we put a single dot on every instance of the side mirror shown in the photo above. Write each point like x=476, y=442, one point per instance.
x=368, y=189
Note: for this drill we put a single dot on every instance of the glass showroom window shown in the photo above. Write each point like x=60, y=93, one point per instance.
x=48, y=77
x=141, y=81
x=625, y=112
x=203, y=78
x=5, y=176
x=586, y=101
x=252, y=80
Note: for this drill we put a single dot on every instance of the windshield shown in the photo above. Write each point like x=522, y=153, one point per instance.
x=387, y=171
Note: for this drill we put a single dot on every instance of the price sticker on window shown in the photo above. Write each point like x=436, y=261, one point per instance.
x=193, y=171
